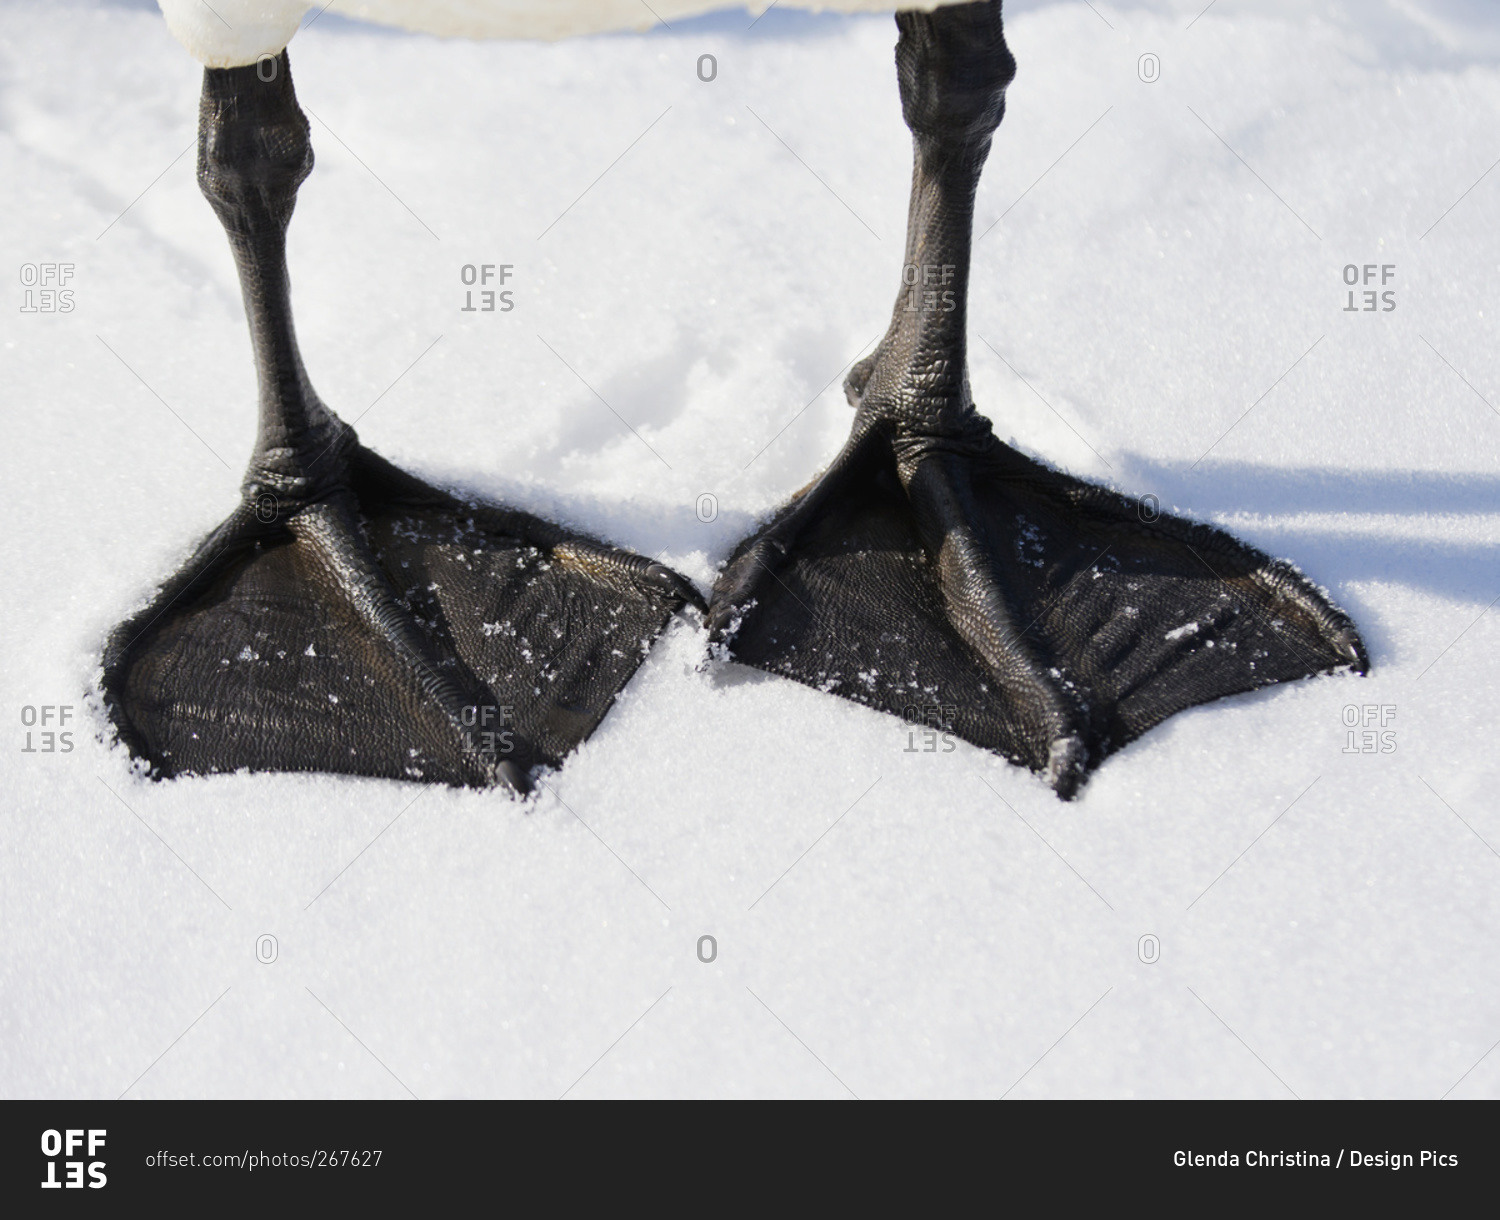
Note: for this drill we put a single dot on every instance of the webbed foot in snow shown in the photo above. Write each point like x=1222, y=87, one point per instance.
x=938, y=574
x=348, y=617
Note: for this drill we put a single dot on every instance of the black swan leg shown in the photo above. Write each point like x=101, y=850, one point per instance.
x=348, y=617
x=938, y=574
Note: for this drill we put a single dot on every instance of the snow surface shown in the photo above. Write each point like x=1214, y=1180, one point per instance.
x=888, y=921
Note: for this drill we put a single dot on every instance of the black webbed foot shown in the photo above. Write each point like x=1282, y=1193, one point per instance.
x=938, y=574
x=963, y=585
x=348, y=617
x=389, y=630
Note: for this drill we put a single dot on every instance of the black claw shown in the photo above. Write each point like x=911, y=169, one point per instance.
x=723, y=621
x=1067, y=766
x=508, y=775
x=678, y=585
x=1353, y=648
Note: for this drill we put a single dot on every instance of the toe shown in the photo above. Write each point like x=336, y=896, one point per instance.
x=1052, y=726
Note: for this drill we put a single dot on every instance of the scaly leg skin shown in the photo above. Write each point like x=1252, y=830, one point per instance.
x=938, y=574
x=347, y=617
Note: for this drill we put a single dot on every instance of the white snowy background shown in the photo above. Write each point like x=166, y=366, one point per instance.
x=1161, y=262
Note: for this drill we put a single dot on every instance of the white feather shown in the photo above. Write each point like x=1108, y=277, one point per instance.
x=233, y=33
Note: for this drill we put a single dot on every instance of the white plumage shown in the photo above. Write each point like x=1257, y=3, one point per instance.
x=233, y=33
